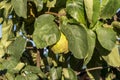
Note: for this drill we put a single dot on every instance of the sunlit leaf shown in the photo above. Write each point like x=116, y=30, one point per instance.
x=92, y=8
x=76, y=9
x=35, y=70
x=32, y=77
x=1, y=19
x=69, y=74
x=56, y=73
x=20, y=7
x=6, y=29
x=2, y=4
x=116, y=24
x=7, y=10
x=110, y=76
x=9, y=76
x=46, y=31
x=19, y=66
x=12, y=64
x=29, y=76
x=20, y=77
x=51, y=3
x=2, y=51
x=109, y=8
x=90, y=75
x=113, y=58
x=106, y=37
x=77, y=40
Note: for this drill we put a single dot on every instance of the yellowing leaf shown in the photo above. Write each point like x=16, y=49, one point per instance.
x=51, y=3
x=113, y=58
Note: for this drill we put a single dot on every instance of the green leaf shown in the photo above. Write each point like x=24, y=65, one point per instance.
x=9, y=76
x=46, y=31
x=109, y=8
x=113, y=58
x=39, y=4
x=20, y=7
x=32, y=77
x=29, y=76
x=77, y=40
x=91, y=46
x=20, y=77
x=35, y=70
x=92, y=8
x=12, y=64
x=69, y=74
x=56, y=73
x=76, y=9
x=16, y=48
x=106, y=37
x=2, y=51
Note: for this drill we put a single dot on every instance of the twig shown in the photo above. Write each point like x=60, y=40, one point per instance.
x=56, y=14
x=96, y=68
x=38, y=55
x=52, y=13
x=91, y=69
x=30, y=48
x=38, y=58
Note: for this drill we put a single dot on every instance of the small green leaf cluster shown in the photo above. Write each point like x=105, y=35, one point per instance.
x=30, y=28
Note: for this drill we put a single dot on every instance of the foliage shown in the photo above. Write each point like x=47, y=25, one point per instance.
x=31, y=27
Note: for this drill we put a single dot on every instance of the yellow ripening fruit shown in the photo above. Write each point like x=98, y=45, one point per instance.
x=61, y=46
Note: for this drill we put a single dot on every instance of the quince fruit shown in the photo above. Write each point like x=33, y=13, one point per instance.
x=61, y=46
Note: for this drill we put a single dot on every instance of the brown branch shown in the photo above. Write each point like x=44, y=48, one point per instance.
x=30, y=48
x=91, y=69
x=53, y=13
x=38, y=58
x=56, y=14
x=95, y=68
